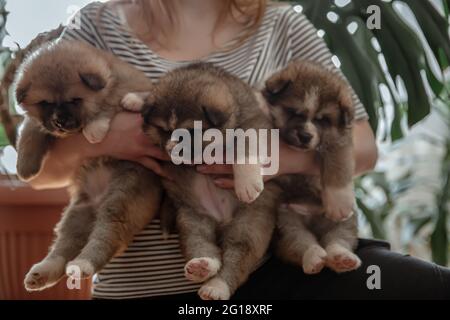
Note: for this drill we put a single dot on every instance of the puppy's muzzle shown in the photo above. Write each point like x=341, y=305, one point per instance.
x=65, y=124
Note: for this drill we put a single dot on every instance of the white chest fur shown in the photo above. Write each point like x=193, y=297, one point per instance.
x=216, y=202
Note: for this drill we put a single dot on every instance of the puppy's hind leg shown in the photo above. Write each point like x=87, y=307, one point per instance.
x=72, y=233
x=198, y=244
x=245, y=241
x=130, y=203
x=339, y=243
x=297, y=244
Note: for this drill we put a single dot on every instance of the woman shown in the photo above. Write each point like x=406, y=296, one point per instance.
x=251, y=39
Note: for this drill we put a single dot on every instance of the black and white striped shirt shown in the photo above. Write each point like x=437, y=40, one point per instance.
x=152, y=266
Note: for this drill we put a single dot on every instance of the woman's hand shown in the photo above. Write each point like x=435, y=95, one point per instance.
x=125, y=140
x=300, y=162
x=290, y=162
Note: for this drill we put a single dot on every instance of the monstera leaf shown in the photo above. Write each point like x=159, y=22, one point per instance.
x=396, y=51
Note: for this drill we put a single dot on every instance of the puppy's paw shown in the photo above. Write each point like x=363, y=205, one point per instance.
x=201, y=269
x=96, y=131
x=132, y=102
x=338, y=203
x=340, y=259
x=80, y=269
x=248, y=182
x=28, y=167
x=44, y=274
x=314, y=259
x=215, y=289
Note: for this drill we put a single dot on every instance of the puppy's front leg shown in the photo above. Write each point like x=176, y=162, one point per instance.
x=248, y=182
x=32, y=147
x=96, y=130
x=337, y=167
x=134, y=101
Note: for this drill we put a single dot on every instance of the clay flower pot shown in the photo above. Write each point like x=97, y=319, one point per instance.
x=27, y=219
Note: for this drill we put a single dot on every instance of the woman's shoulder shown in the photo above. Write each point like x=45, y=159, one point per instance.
x=94, y=10
x=288, y=15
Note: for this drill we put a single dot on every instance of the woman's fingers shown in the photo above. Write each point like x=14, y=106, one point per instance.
x=153, y=165
x=215, y=169
x=155, y=152
x=224, y=183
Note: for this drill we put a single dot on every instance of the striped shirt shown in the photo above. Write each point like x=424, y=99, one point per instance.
x=152, y=266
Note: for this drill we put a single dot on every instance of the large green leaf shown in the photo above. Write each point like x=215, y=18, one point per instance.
x=401, y=47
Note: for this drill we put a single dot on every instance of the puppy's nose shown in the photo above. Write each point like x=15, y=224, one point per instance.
x=65, y=123
x=305, y=137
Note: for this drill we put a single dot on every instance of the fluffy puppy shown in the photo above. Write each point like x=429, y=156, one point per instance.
x=222, y=238
x=313, y=109
x=66, y=88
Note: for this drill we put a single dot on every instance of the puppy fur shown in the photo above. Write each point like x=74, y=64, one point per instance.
x=313, y=109
x=222, y=238
x=67, y=88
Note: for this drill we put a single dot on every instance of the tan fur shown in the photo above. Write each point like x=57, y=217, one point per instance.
x=111, y=200
x=204, y=93
x=313, y=109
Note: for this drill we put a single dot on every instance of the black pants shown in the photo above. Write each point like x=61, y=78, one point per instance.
x=401, y=277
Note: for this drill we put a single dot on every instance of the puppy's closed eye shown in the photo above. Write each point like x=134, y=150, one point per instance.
x=323, y=121
x=215, y=117
x=93, y=81
x=45, y=104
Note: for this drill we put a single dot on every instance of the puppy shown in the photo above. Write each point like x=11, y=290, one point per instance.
x=313, y=109
x=67, y=88
x=222, y=238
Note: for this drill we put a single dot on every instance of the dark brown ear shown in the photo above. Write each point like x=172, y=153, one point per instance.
x=347, y=111
x=22, y=91
x=215, y=118
x=277, y=84
x=93, y=81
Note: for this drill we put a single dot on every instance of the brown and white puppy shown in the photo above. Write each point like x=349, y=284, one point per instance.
x=313, y=109
x=67, y=88
x=222, y=238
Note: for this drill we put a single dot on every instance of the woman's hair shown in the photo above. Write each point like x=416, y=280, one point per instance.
x=251, y=13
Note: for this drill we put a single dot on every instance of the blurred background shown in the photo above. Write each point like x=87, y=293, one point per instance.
x=400, y=72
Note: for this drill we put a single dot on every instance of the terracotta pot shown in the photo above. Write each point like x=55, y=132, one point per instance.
x=27, y=219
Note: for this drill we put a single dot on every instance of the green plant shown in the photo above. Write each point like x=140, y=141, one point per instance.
x=397, y=43
x=5, y=57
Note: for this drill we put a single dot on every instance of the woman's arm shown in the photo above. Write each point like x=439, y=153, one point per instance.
x=294, y=162
x=125, y=140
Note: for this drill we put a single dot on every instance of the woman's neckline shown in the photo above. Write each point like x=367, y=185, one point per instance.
x=120, y=18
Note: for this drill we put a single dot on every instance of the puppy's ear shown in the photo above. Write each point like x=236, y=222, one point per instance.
x=215, y=118
x=347, y=113
x=276, y=85
x=93, y=81
x=148, y=108
x=22, y=91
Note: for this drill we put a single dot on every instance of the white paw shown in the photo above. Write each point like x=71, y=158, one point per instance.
x=340, y=259
x=96, y=131
x=132, y=102
x=338, y=203
x=215, y=289
x=44, y=274
x=248, y=182
x=314, y=259
x=201, y=269
x=80, y=269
